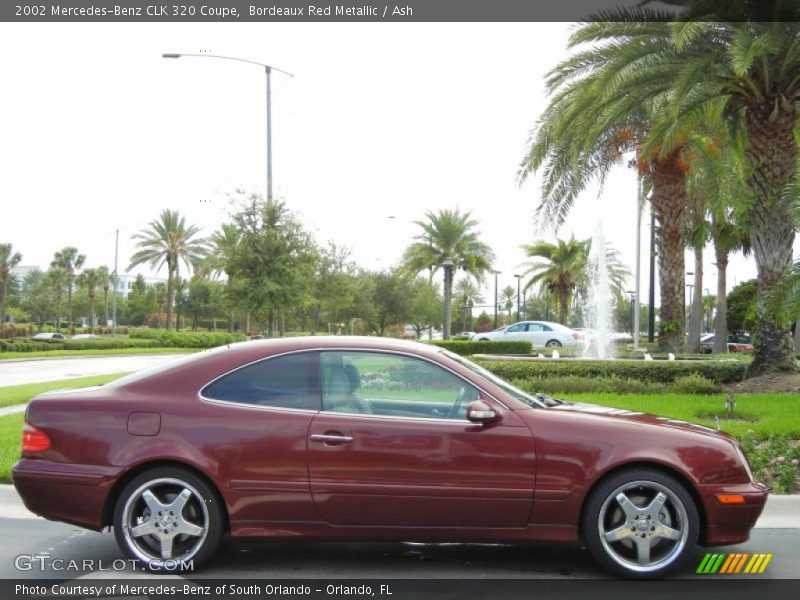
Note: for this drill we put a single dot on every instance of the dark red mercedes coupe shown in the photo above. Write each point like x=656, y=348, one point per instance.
x=346, y=438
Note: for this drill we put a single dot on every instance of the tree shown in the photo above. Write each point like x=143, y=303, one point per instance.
x=90, y=280
x=391, y=294
x=224, y=244
x=743, y=309
x=507, y=296
x=57, y=278
x=106, y=282
x=449, y=240
x=169, y=240
x=273, y=264
x=556, y=268
x=8, y=260
x=141, y=302
x=467, y=295
x=334, y=293
x=425, y=306
x=37, y=297
x=69, y=261
x=744, y=55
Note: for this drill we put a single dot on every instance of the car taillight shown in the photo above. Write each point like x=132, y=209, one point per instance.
x=34, y=440
x=577, y=336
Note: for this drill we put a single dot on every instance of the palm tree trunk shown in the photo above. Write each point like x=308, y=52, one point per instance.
x=94, y=313
x=669, y=204
x=448, y=297
x=563, y=306
x=772, y=154
x=170, y=294
x=69, y=309
x=105, y=300
x=696, y=318
x=721, y=319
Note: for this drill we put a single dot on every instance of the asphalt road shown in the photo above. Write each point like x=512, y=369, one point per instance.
x=18, y=372
x=22, y=534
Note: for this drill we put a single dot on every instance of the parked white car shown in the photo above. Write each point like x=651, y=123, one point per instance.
x=538, y=333
x=48, y=336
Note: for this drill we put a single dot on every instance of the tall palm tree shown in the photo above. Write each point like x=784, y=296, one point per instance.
x=90, y=280
x=557, y=268
x=507, y=296
x=56, y=279
x=8, y=260
x=70, y=261
x=604, y=105
x=449, y=240
x=106, y=283
x=169, y=240
x=755, y=66
x=467, y=295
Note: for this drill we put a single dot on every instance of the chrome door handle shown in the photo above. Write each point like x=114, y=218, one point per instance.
x=331, y=439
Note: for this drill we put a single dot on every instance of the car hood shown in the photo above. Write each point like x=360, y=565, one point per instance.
x=635, y=417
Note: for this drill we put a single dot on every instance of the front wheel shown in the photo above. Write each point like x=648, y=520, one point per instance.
x=640, y=523
x=553, y=344
x=168, y=519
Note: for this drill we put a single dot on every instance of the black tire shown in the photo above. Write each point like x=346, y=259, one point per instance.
x=553, y=344
x=181, y=512
x=638, y=541
x=483, y=339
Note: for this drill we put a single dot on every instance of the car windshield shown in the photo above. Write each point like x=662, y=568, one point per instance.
x=517, y=393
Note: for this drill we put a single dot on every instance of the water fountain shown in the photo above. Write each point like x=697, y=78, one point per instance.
x=598, y=309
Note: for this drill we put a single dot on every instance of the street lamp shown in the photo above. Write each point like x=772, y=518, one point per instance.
x=518, y=280
x=268, y=70
x=496, y=273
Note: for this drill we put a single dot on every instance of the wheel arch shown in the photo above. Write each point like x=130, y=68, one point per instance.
x=645, y=464
x=125, y=478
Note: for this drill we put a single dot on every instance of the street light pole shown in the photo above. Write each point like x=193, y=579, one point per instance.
x=518, y=280
x=268, y=70
x=496, y=273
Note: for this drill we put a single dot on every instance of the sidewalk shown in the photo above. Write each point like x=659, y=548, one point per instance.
x=781, y=512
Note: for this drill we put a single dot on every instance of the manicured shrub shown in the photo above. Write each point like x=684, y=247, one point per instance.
x=468, y=347
x=692, y=384
x=109, y=344
x=662, y=371
x=188, y=339
x=573, y=384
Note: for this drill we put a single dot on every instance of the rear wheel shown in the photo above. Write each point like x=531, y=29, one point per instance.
x=640, y=523
x=168, y=519
x=553, y=344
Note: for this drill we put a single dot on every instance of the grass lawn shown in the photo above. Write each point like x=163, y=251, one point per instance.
x=767, y=415
x=10, y=444
x=103, y=352
x=18, y=394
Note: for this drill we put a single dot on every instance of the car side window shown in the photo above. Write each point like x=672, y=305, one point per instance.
x=516, y=328
x=289, y=381
x=392, y=385
x=535, y=327
x=546, y=328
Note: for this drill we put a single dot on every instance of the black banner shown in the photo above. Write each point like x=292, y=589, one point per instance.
x=397, y=589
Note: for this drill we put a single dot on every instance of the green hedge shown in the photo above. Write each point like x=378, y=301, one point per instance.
x=26, y=345
x=188, y=339
x=108, y=344
x=662, y=371
x=466, y=348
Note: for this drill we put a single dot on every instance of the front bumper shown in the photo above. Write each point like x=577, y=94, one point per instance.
x=732, y=523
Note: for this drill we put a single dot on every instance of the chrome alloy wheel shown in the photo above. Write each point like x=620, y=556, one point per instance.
x=165, y=520
x=643, y=526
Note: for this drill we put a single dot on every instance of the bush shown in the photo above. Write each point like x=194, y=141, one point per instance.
x=573, y=384
x=466, y=348
x=187, y=339
x=657, y=371
x=108, y=344
x=692, y=384
x=25, y=345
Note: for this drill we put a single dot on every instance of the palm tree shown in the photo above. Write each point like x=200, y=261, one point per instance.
x=467, y=295
x=90, y=280
x=56, y=279
x=169, y=240
x=225, y=243
x=8, y=260
x=558, y=269
x=106, y=282
x=507, y=296
x=605, y=102
x=448, y=241
x=70, y=261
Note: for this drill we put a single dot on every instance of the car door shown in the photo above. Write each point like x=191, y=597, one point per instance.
x=392, y=446
x=515, y=332
x=536, y=335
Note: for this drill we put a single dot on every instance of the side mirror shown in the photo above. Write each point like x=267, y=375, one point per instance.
x=480, y=412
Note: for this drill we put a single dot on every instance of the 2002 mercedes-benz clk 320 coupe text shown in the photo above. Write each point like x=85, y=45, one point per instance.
x=374, y=439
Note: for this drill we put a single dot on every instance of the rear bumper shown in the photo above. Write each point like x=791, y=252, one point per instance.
x=75, y=494
x=732, y=523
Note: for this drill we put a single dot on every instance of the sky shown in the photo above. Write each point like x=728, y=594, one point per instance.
x=381, y=123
